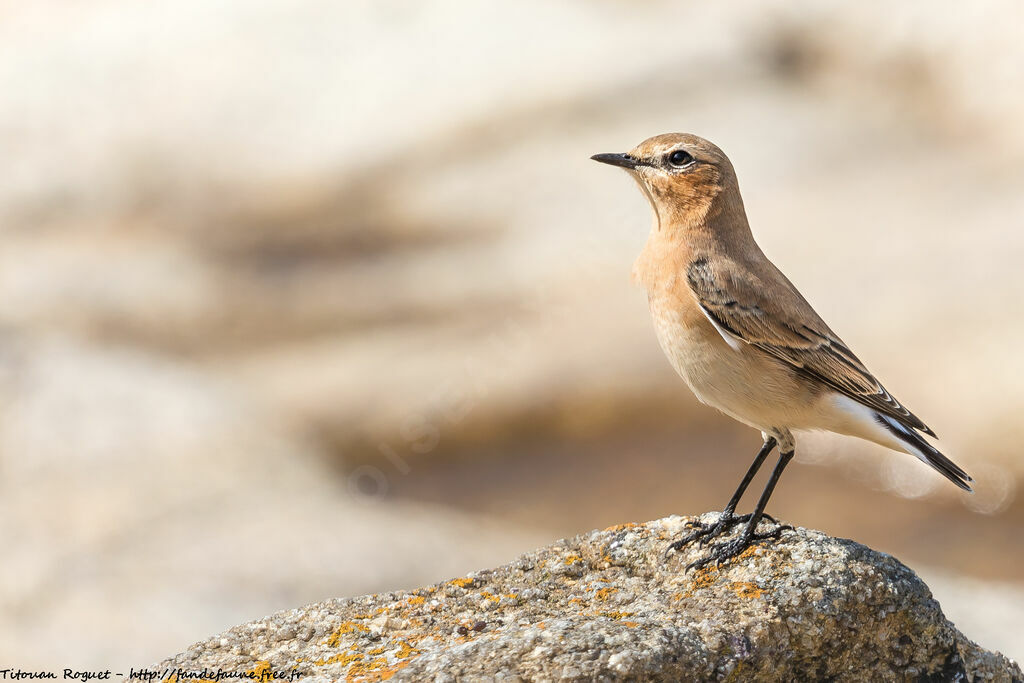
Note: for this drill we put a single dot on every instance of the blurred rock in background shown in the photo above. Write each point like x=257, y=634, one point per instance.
x=310, y=299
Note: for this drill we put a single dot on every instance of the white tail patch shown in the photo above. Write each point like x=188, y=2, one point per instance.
x=856, y=419
x=859, y=420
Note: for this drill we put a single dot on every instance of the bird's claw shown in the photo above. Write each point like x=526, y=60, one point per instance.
x=728, y=549
x=722, y=552
x=705, y=533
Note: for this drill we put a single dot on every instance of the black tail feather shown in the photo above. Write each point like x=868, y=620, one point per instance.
x=928, y=453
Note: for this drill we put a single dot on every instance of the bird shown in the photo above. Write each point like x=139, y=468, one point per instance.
x=742, y=336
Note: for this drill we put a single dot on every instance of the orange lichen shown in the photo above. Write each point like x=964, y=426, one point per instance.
x=615, y=615
x=377, y=672
x=347, y=627
x=704, y=578
x=603, y=593
x=572, y=559
x=344, y=658
x=376, y=665
x=620, y=527
x=461, y=583
x=415, y=600
x=749, y=552
x=405, y=650
x=631, y=624
x=261, y=671
x=374, y=669
x=746, y=589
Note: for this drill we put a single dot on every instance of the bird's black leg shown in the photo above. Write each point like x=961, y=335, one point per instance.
x=706, y=532
x=730, y=549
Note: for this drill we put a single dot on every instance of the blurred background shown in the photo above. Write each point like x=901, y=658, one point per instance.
x=309, y=299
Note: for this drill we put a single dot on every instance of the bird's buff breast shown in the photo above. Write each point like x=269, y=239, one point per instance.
x=744, y=383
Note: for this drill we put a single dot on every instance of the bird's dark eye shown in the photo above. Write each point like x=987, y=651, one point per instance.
x=680, y=158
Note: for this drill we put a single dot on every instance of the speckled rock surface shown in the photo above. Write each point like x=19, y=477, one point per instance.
x=610, y=605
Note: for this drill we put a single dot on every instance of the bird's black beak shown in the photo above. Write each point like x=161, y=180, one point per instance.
x=623, y=160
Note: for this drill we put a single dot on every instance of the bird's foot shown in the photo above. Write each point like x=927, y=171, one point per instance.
x=705, y=533
x=723, y=552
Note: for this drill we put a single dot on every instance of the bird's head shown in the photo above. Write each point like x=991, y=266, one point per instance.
x=682, y=175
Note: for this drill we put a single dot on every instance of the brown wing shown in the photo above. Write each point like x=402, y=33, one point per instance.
x=779, y=321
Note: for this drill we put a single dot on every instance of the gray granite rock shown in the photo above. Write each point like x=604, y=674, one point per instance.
x=610, y=605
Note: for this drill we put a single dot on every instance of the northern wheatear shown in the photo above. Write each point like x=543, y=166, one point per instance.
x=740, y=333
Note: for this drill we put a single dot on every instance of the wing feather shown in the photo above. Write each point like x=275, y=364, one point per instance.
x=791, y=331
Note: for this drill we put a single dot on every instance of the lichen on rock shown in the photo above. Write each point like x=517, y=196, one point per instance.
x=611, y=605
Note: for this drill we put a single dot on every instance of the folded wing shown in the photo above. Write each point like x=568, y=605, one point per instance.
x=775, y=318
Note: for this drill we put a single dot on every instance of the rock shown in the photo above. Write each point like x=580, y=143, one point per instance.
x=610, y=605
